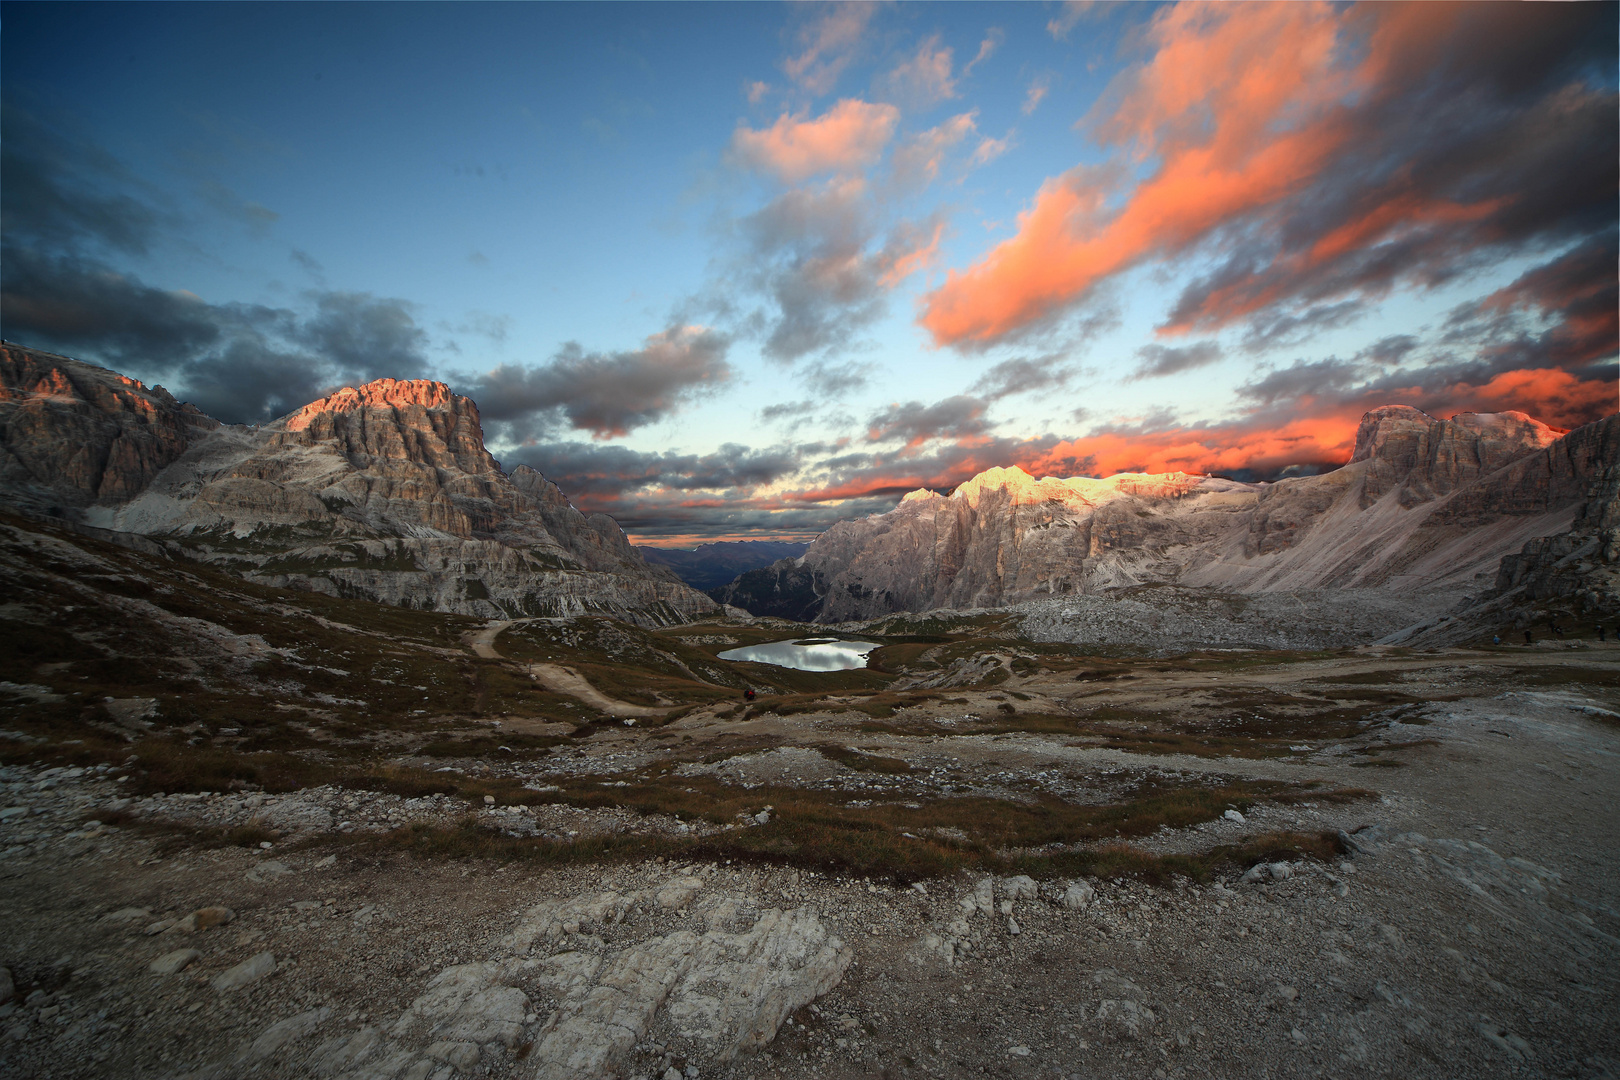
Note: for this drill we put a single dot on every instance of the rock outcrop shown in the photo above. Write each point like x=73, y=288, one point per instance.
x=72, y=434
x=580, y=988
x=1424, y=504
x=383, y=491
x=1568, y=575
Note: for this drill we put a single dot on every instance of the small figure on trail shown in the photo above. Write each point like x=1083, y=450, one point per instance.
x=748, y=695
x=1496, y=639
x=1527, y=637
x=1600, y=633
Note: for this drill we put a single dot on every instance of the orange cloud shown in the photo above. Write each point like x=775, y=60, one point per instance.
x=1234, y=102
x=1318, y=151
x=846, y=138
x=908, y=260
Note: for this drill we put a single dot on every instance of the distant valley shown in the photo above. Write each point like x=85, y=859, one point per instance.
x=709, y=566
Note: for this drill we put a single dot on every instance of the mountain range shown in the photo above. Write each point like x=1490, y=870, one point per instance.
x=1424, y=505
x=384, y=491
x=387, y=492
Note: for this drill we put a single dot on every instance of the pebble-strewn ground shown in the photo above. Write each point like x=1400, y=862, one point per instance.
x=1473, y=931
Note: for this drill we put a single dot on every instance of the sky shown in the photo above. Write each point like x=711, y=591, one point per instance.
x=734, y=271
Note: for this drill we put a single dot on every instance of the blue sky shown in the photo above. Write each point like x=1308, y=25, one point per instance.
x=736, y=270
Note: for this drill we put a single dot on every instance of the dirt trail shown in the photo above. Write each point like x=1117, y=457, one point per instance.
x=559, y=679
x=564, y=680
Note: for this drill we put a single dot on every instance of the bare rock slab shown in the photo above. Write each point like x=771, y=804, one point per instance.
x=171, y=962
x=246, y=973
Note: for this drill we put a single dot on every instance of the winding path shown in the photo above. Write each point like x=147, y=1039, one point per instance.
x=559, y=679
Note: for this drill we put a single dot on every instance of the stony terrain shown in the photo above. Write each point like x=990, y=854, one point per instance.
x=1424, y=506
x=1467, y=928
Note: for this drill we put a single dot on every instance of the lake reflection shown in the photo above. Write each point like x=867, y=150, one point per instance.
x=820, y=655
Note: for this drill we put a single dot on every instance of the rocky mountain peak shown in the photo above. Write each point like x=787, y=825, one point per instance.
x=1464, y=493
x=1021, y=489
x=533, y=483
x=1017, y=483
x=383, y=490
x=414, y=422
x=380, y=394
x=1427, y=457
x=72, y=433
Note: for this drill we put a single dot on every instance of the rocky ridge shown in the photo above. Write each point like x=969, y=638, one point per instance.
x=1574, y=574
x=1424, y=505
x=384, y=491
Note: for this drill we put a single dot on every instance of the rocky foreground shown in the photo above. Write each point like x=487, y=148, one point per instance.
x=1470, y=926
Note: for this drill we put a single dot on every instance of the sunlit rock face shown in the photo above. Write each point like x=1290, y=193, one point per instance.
x=1424, y=504
x=383, y=491
x=72, y=434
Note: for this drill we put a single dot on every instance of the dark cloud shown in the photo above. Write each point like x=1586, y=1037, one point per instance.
x=613, y=470
x=310, y=265
x=1285, y=330
x=913, y=422
x=69, y=207
x=249, y=379
x=1022, y=376
x=75, y=304
x=257, y=217
x=1564, y=313
x=1489, y=136
x=807, y=256
x=1157, y=360
x=1389, y=350
x=787, y=410
x=607, y=394
x=828, y=380
x=1305, y=379
x=62, y=191
x=242, y=363
x=364, y=336
x=1151, y=423
x=812, y=269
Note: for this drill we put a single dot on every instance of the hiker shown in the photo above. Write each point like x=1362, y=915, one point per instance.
x=1496, y=639
x=1600, y=633
x=1527, y=637
x=748, y=695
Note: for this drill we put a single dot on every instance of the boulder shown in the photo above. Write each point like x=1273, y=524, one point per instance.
x=171, y=962
x=1078, y=896
x=246, y=973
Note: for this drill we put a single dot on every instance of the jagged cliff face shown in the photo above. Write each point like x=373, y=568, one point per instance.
x=383, y=491
x=72, y=434
x=1424, y=504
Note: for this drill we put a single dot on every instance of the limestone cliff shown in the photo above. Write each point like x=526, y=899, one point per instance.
x=1573, y=574
x=72, y=434
x=1424, y=504
x=383, y=491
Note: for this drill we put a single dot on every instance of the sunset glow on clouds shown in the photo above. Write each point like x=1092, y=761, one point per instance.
x=745, y=272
